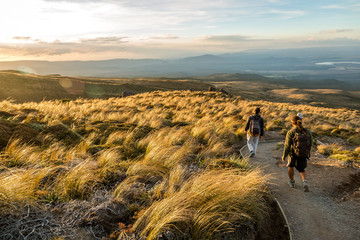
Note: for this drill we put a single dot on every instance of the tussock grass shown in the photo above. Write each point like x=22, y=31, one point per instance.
x=148, y=170
x=24, y=186
x=133, y=190
x=205, y=204
x=18, y=154
x=327, y=150
x=337, y=151
x=168, y=154
x=111, y=166
x=79, y=181
x=116, y=138
x=172, y=183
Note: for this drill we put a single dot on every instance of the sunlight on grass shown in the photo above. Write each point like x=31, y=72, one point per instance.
x=206, y=204
x=170, y=157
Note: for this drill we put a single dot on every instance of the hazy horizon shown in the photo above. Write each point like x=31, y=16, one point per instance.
x=63, y=30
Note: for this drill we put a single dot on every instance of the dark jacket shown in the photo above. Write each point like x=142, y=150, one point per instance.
x=256, y=116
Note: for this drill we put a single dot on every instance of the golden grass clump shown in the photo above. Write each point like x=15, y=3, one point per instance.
x=133, y=190
x=203, y=132
x=18, y=154
x=25, y=185
x=168, y=147
x=111, y=167
x=108, y=159
x=339, y=152
x=79, y=182
x=205, y=204
x=327, y=150
x=171, y=183
x=148, y=171
x=116, y=138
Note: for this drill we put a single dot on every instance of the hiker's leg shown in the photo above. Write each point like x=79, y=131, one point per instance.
x=250, y=143
x=256, y=141
x=291, y=173
x=305, y=182
x=303, y=175
x=302, y=164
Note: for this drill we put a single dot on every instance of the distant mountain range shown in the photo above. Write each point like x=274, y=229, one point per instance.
x=342, y=63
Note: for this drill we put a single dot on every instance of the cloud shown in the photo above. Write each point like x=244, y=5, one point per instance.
x=104, y=40
x=60, y=48
x=35, y=49
x=22, y=38
x=286, y=14
x=337, y=31
x=276, y=1
x=26, y=39
x=162, y=37
x=227, y=38
x=156, y=5
x=172, y=5
x=333, y=6
x=79, y=1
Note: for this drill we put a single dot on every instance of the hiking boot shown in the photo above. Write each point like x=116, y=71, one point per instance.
x=306, y=186
x=292, y=183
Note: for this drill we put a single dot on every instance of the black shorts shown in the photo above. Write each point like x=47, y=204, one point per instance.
x=300, y=163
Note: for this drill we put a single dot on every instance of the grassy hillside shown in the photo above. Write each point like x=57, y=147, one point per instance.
x=148, y=165
x=28, y=87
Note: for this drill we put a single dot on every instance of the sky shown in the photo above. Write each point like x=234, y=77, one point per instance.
x=59, y=30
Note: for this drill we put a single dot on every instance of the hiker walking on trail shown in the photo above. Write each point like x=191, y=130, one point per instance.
x=255, y=131
x=297, y=145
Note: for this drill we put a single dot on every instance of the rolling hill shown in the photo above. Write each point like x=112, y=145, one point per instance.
x=23, y=87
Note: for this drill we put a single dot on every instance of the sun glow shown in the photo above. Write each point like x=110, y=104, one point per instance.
x=29, y=21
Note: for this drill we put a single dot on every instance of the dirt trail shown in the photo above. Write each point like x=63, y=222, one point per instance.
x=317, y=214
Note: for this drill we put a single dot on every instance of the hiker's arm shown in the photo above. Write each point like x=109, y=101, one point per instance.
x=287, y=145
x=311, y=137
x=247, y=124
x=262, y=129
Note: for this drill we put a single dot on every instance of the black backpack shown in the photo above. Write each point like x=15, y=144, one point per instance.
x=254, y=127
x=301, y=143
